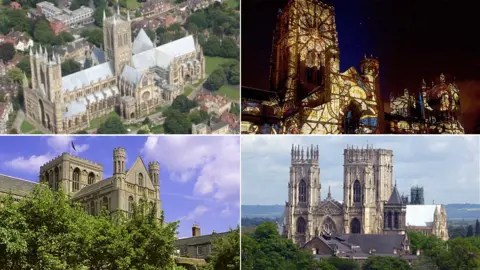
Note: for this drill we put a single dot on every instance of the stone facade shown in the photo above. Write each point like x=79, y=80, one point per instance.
x=134, y=79
x=371, y=205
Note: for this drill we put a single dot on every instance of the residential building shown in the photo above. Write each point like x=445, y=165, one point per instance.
x=153, y=8
x=198, y=246
x=6, y=109
x=69, y=18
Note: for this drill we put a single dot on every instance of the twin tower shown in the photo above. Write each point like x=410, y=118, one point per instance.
x=119, y=158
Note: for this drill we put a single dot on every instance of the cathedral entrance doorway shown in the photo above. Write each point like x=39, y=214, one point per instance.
x=41, y=111
x=355, y=226
x=351, y=121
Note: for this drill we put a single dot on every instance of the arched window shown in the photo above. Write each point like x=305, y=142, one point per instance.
x=130, y=206
x=57, y=178
x=76, y=179
x=48, y=179
x=389, y=217
x=302, y=192
x=328, y=225
x=395, y=220
x=140, y=179
x=105, y=204
x=357, y=192
x=91, y=178
x=355, y=226
x=92, y=208
x=301, y=224
x=352, y=119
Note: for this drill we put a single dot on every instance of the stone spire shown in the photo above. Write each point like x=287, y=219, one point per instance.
x=118, y=8
x=329, y=195
x=104, y=15
x=128, y=15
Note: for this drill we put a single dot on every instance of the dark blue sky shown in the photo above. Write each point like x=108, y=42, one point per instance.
x=412, y=39
x=199, y=176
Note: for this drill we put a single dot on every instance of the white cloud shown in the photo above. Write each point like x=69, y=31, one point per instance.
x=56, y=144
x=213, y=162
x=30, y=164
x=226, y=211
x=448, y=167
x=195, y=213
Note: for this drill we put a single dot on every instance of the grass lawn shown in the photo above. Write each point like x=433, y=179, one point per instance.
x=211, y=63
x=187, y=91
x=232, y=94
x=232, y=3
x=95, y=123
x=157, y=129
x=133, y=4
x=26, y=127
x=37, y=132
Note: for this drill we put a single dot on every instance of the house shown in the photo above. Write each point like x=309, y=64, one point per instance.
x=58, y=26
x=19, y=40
x=232, y=121
x=211, y=103
x=150, y=23
x=77, y=50
x=15, y=5
x=198, y=246
x=212, y=126
x=154, y=7
x=168, y=20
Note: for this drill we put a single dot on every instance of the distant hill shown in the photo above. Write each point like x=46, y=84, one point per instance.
x=454, y=211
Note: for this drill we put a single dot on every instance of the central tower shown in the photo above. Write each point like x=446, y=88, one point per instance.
x=305, y=50
x=117, y=39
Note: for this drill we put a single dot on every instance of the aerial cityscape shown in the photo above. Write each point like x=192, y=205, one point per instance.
x=105, y=67
x=359, y=197
x=108, y=177
x=301, y=86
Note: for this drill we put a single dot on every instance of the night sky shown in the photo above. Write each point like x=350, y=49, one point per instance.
x=411, y=38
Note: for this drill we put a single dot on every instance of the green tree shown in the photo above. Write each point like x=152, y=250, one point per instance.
x=81, y=132
x=235, y=109
x=113, y=125
x=198, y=117
x=94, y=36
x=150, y=33
x=43, y=32
x=213, y=47
x=62, y=38
x=146, y=121
x=477, y=228
x=142, y=131
x=470, y=231
x=192, y=28
x=343, y=264
x=215, y=80
x=15, y=75
x=230, y=48
x=13, y=131
x=17, y=20
x=98, y=14
x=226, y=251
x=70, y=66
x=7, y=52
x=24, y=65
x=176, y=122
x=183, y=104
x=380, y=263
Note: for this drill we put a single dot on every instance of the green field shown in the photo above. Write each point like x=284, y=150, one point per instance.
x=232, y=94
x=232, y=3
x=157, y=129
x=37, y=132
x=211, y=63
x=26, y=127
x=95, y=123
x=187, y=91
x=133, y=4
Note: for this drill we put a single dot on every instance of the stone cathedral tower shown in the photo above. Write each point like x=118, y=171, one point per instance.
x=303, y=193
x=117, y=39
x=367, y=188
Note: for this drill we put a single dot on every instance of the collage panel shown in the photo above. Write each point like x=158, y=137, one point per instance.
x=119, y=202
x=120, y=67
x=359, y=67
x=360, y=202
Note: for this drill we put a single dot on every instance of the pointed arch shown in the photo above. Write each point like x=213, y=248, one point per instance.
x=91, y=178
x=130, y=206
x=57, y=177
x=76, y=179
x=302, y=192
x=355, y=226
x=328, y=225
x=357, y=192
x=395, y=220
x=301, y=225
x=389, y=218
x=140, y=179
x=351, y=118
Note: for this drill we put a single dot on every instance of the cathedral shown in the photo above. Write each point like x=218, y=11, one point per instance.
x=371, y=205
x=83, y=181
x=133, y=79
x=310, y=95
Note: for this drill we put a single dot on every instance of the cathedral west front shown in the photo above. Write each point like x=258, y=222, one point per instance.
x=371, y=201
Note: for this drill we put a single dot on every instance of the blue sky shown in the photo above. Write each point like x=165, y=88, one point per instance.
x=199, y=175
x=448, y=167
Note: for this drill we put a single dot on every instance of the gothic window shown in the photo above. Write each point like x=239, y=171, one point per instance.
x=389, y=217
x=352, y=119
x=92, y=208
x=385, y=220
x=302, y=192
x=130, y=206
x=91, y=178
x=355, y=226
x=301, y=224
x=76, y=179
x=357, y=192
x=328, y=226
x=47, y=178
x=140, y=179
x=105, y=205
x=57, y=178
x=395, y=220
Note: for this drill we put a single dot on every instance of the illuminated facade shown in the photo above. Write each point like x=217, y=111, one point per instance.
x=309, y=94
x=436, y=110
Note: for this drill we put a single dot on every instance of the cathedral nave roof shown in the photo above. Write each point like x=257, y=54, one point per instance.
x=16, y=186
x=86, y=76
x=131, y=74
